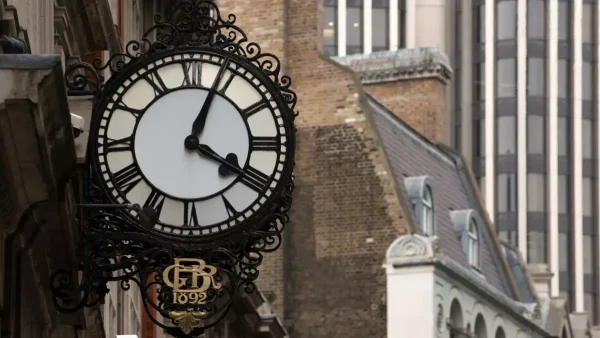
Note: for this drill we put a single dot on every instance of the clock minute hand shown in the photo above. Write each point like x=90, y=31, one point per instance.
x=200, y=120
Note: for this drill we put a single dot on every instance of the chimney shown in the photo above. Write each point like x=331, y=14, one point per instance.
x=412, y=83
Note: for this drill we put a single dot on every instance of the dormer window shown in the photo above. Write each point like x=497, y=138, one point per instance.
x=421, y=198
x=466, y=224
x=473, y=243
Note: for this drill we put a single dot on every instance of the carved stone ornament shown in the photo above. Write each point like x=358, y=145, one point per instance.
x=412, y=247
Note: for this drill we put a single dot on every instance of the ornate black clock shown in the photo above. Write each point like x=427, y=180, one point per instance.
x=190, y=167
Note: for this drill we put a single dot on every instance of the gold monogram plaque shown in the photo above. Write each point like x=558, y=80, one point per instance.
x=191, y=279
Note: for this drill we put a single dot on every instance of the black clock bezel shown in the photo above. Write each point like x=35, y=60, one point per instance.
x=261, y=217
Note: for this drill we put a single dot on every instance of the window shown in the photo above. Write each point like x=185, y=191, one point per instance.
x=507, y=135
x=536, y=73
x=536, y=19
x=587, y=24
x=536, y=192
x=354, y=27
x=479, y=81
x=587, y=82
x=427, y=215
x=420, y=194
x=479, y=138
x=506, y=20
x=563, y=78
x=536, y=248
x=381, y=26
x=587, y=143
x=588, y=254
x=563, y=136
x=587, y=198
x=473, y=244
x=535, y=134
x=479, y=22
x=401, y=23
x=589, y=306
x=482, y=187
x=563, y=252
x=500, y=333
x=506, y=73
x=480, y=327
x=330, y=28
x=563, y=20
x=563, y=194
x=507, y=192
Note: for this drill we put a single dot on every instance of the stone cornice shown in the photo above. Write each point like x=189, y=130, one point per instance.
x=404, y=64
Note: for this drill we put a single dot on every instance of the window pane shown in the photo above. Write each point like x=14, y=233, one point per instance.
x=563, y=136
x=482, y=187
x=563, y=194
x=536, y=73
x=479, y=81
x=536, y=247
x=587, y=81
x=401, y=27
x=536, y=192
x=506, y=77
x=588, y=254
x=507, y=192
x=587, y=196
x=479, y=21
x=354, y=28
x=563, y=78
x=506, y=20
x=589, y=305
x=330, y=31
x=563, y=252
x=509, y=237
x=587, y=28
x=507, y=135
x=536, y=19
x=535, y=134
x=380, y=29
x=563, y=20
x=587, y=138
x=479, y=132
x=458, y=33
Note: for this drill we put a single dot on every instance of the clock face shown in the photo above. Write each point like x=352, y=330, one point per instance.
x=241, y=153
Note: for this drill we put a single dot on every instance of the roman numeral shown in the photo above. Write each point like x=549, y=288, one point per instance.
x=267, y=143
x=123, y=144
x=192, y=73
x=190, y=218
x=122, y=106
x=227, y=83
x=127, y=178
x=254, y=179
x=156, y=201
x=230, y=209
x=255, y=108
x=156, y=82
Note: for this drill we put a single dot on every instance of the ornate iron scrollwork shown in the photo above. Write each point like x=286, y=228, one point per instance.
x=112, y=250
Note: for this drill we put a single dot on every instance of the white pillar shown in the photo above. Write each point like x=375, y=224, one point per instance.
x=394, y=24
x=577, y=156
x=341, y=27
x=368, y=26
x=411, y=24
x=522, y=126
x=490, y=116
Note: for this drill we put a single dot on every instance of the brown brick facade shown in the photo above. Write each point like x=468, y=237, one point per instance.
x=420, y=102
x=328, y=277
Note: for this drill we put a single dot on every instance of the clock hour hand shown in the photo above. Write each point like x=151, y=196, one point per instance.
x=200, y=120
x=229, y=164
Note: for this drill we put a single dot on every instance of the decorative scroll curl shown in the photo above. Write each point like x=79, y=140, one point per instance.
x=192, y=24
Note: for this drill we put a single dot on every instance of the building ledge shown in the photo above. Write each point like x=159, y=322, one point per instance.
x=404, y=64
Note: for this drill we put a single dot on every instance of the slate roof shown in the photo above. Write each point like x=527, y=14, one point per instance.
x=409, y=155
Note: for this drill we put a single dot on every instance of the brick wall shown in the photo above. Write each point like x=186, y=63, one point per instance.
x=420, y=102
x=328, y=276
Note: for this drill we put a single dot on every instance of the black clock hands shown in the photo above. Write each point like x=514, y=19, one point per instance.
x=229, y=164
x=198, y=124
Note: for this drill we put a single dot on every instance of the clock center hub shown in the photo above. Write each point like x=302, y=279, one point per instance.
x=169, y=164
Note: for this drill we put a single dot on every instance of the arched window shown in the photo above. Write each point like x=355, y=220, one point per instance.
x=499, y=333
x=421, y=196
x=480, y=328
x=427, y=212
x=455, y=321
x=473, y=243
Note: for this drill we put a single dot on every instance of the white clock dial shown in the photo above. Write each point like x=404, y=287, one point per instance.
x=241, y=147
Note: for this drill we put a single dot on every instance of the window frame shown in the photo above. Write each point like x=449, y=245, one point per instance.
x=473, y=246
x=420, y=194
